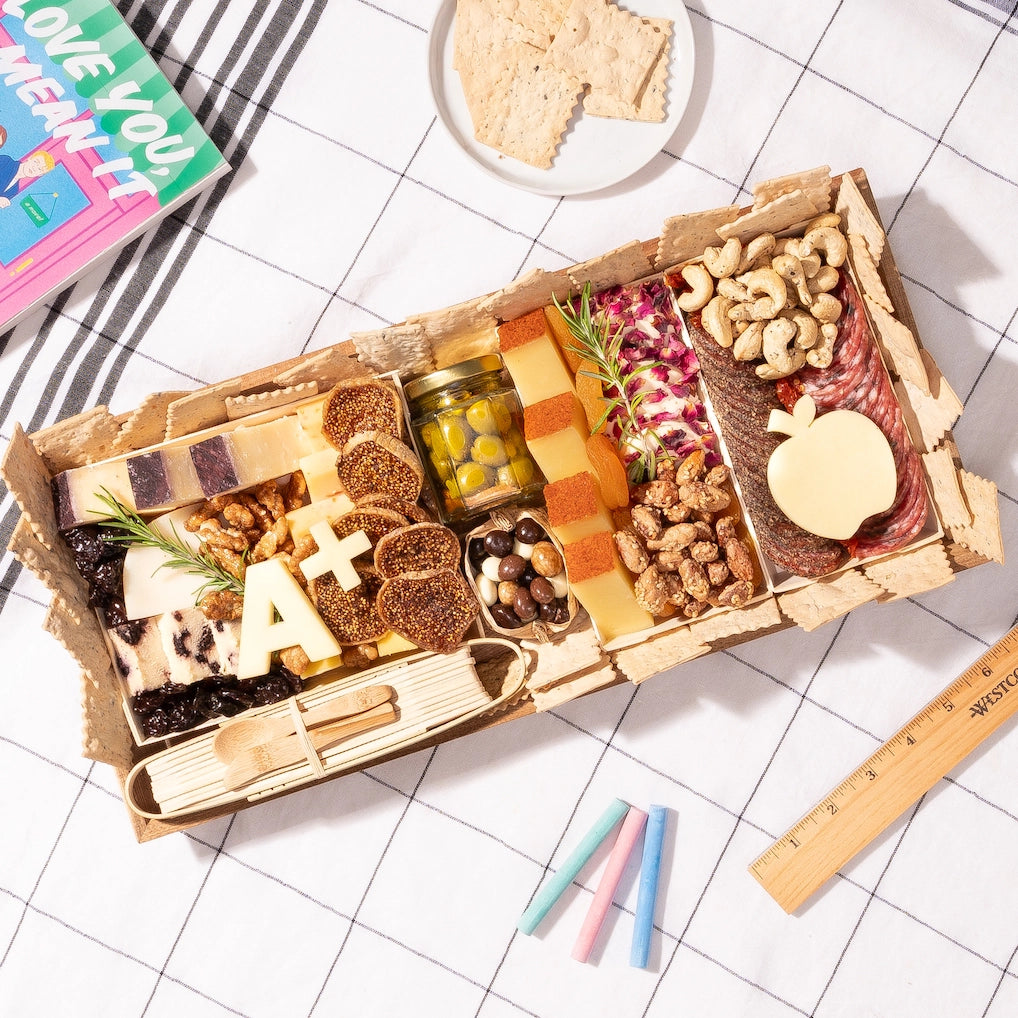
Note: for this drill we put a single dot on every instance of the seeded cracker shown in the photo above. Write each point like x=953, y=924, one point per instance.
x=913, y=572
x=529, y=112
x=824, y=600
x=686, y=236
x=620, y=266
x=606, y=48
x=649, y=105
x=932, y=416
x=402, y=348
x=785, y=212
x=947, y=494
x=898, y=343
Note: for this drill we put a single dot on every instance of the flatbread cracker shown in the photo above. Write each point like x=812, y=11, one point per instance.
x=913, y=572
x=983, y=536
x=578, y=685
x=899, y=345
x=402, y=348
x=458, y=333
x=607, y=48
x=816, y=184
x=554, y=661
x=145, y=425
x=638, y=663
x=857, y=217
x=946, y=485
x=54, y=567
x=822, y=601
x=28, y=480
x=326, y=367
x=930, y=416
x=749, y=619
x=529, y=111
x=649, y=104
x=527, y=292
x=82, y=640
x=866, y=272
x=785, y=212
x=84, y=438
x=617, y=267
x=239, y=407
x=688, y=235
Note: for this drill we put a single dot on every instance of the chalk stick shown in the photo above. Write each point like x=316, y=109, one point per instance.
x=632, y=826
x=646, y=898
x=552, y=891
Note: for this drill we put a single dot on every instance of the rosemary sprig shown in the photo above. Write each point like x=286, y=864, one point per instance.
x=132, y=529
x=597, y=343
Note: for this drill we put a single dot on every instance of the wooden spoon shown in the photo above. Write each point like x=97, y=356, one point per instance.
x=289, y=750
x=238, y=736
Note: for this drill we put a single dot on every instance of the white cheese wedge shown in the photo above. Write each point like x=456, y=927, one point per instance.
x=265, y=451
x=311, y=438
x=300, y=521
x=319, y=469
x=151, y=587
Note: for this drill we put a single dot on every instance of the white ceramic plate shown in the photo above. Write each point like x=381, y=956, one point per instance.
x=595, y=151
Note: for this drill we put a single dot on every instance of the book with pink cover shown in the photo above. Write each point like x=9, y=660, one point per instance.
x=95, y=146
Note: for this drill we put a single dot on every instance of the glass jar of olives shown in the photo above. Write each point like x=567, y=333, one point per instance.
x=467, y=424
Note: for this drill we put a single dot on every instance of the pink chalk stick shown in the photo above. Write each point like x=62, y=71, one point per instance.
x=632, y=827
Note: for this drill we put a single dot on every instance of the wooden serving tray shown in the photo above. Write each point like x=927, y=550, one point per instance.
x=575, y=663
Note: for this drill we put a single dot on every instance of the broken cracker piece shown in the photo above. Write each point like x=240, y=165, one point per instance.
x=402, y=348
x=28, y=480
x=614, y=268
x=554, y=661
x=983, y=536
x=574, y=687
x=946, y=485
x=649, y=104
x=458, y=333
x=899, y=345
x=638, y=663
x=824, y=600
x=815, y=184
x=866, y=273
x=782, y=213
x=857, y=217
x=527, y=292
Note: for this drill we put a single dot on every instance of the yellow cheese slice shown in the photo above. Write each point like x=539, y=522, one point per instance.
x=319, y=469
x=300, y=521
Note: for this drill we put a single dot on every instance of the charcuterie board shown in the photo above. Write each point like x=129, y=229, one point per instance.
x=232, y=428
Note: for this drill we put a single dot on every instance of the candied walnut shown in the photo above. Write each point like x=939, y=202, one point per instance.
x=269, y=542
x=295, y=659
x=295, y=491
x=222, y=606
x=215, y=535
x=361, y=656
x=704, y=552
x=705, y=497
x=631, y=550
x=239, y=516
x=268, y=494
x=694, y=579
x=739, y=560
x=660, y=494
x=646, y=521
x=651, y=591
x=230, y=560
x=681, y=535
x=691, y=467
x=736, y=594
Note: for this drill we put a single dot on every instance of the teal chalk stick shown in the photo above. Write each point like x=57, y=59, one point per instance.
x=552, y=890
x=646, y=897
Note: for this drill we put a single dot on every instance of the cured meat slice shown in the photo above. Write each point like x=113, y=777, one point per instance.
x=743, y=403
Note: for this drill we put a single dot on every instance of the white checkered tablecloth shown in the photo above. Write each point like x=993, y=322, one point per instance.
x=396, y=891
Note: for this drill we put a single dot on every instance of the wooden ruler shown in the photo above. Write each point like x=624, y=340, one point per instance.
x=906, y=766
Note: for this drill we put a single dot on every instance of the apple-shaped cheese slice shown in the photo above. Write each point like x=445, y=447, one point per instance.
x=833, y=472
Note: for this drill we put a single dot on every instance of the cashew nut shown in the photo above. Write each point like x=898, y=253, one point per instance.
x=825, y=308
x=701, y=287
x=749, y=345
x=729, y=287
x=716, y=321
x=806, y=327
x=830, y=241
x=772, y=286
x=810, y=265
x=824, y=219
x=790, y=269
x=826, y=278
x=823, y=353
x=782, y=359
x=755, y=253
x=723, y=261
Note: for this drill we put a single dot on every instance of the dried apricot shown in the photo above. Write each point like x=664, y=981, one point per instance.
x=611, y=473
x=591, y=395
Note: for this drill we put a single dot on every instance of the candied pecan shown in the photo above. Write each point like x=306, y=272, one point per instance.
x=680, y=535
x=691, y=467
x=631, y=550
x=736, y=594
x=651, y=591
x=717, y=476
x=694, y=607
x=694, y=579
x=704, y=552
x=660, y=494
x=739, y=559
x=726, y=528
x=222, y=605
x=677, y=595
x=704, y=530
x=665, y=470
x=677, y=513
x=671, y=559
x=717, y=572
x=646, y=521
x=698, y=495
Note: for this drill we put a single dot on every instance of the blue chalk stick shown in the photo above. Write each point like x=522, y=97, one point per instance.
x=646, y=898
